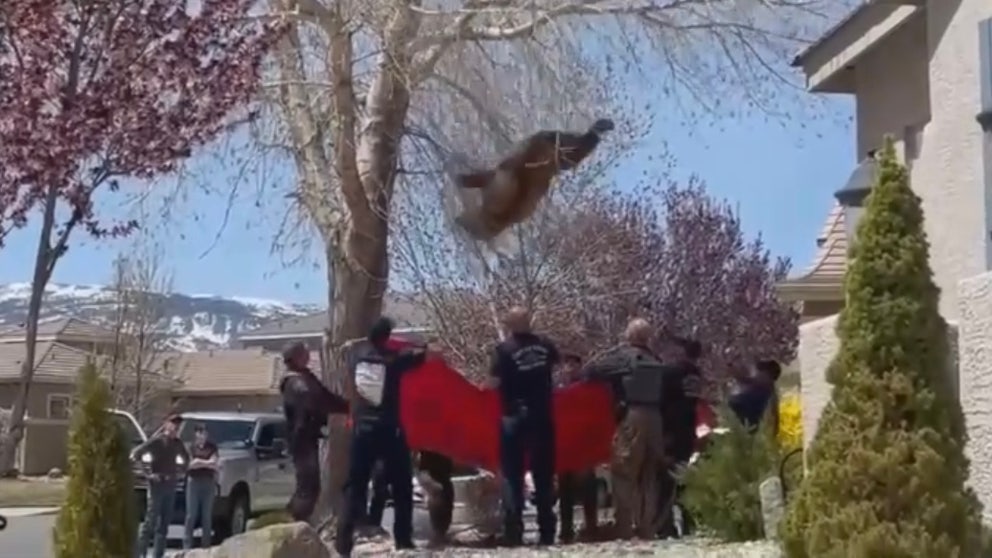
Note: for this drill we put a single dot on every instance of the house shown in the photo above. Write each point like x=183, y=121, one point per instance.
x=64, y=346
x=226, y=380
x=216, y=380
x=921, y=72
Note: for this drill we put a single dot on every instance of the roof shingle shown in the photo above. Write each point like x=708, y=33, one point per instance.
x=234, y=370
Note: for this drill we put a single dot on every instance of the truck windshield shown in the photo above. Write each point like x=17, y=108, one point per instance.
x=234, y=434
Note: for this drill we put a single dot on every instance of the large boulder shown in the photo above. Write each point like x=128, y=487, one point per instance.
x=285, y=540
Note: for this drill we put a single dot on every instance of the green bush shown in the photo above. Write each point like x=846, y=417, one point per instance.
x=721, y=489
x=887, y=470
x=99, y=516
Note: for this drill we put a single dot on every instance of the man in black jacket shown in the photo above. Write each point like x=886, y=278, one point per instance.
x=167, y=460
x=378, y=435
x=306, y=404
x=522, y=372
x=683, y=389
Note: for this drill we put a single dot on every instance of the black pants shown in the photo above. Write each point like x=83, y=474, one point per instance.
x=380, y=493
x=521, y=436
x=306, y=465
x=573, y=488
x=441, y=496
x=371, y=441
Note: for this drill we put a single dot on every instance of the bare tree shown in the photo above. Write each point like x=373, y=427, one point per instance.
x=137, y=366
x=369, y=94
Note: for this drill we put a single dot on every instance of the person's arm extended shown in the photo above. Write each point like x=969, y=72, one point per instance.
x=410, y=358
x=330, y=402
x=604, y=367
x=497, y=368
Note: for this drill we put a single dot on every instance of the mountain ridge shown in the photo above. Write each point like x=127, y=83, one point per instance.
x=190, y=322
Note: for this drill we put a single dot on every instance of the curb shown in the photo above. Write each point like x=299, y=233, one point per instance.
x=27, y=511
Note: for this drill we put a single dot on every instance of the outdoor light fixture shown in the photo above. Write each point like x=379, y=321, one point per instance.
x=852, y=196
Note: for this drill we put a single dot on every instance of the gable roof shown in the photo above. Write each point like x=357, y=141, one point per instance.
x=59, y=329
x=54, y=362
x=824, y=278
x=225, y=371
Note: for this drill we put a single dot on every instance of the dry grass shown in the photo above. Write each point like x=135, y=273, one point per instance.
x=31, y=492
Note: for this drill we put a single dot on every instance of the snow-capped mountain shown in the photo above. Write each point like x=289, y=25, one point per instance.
x=191, y=321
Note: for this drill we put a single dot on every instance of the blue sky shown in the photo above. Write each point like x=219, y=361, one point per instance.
x=781, y=175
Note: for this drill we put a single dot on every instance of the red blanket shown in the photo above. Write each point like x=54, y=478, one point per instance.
x=443, y=412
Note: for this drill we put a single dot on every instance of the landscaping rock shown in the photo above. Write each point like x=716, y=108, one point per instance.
x=772, y=506
x=55, y=473
x=287, y=540
x=687, y=548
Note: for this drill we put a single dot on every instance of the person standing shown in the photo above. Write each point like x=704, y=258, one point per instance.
x=522, y=372
x=201, y=488
x=577, y=486
x=167, y=464
x=377, y=434
x=638, y=445
x=380, y=494
x=306, y=404
x=434, y=474
x=682, y=392
x=756, y=395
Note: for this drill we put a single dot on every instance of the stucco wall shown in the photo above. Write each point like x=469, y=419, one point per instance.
x=926, y=75
x=817, y=345
x=975, y=354
x=948, y=173
x=893, y=86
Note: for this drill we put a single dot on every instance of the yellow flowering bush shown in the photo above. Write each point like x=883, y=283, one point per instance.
x=790, y=422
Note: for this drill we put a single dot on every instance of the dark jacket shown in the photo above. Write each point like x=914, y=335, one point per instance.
x=164, y=452
x=634, y=373
x=683, y=389
x=377, y=372
x=524, y=363
x=306, y=404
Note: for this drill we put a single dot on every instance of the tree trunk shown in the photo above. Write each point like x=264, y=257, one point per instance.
x=42, y=272
x=357, y=276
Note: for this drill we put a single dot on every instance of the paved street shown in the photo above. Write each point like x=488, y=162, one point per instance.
x=31, y=537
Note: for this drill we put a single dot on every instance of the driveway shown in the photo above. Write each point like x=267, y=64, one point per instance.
x=32, y=536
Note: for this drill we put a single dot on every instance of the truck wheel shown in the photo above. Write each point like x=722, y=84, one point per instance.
x=236, y=520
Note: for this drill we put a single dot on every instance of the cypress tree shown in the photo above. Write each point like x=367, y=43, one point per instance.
x=99, y=516
x=887, y=475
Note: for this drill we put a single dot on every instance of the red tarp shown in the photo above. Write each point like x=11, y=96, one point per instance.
x=443, y=412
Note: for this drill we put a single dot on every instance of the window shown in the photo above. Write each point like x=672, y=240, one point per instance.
x=232, y=434
x=59, y=406
x=270, y=432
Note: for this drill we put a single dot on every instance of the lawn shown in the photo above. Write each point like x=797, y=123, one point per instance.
x=40, y=493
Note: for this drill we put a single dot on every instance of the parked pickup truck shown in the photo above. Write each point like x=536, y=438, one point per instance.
x=255, y=474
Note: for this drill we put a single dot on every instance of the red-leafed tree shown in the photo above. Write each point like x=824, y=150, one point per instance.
x=93, y=92
x=591, y=261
